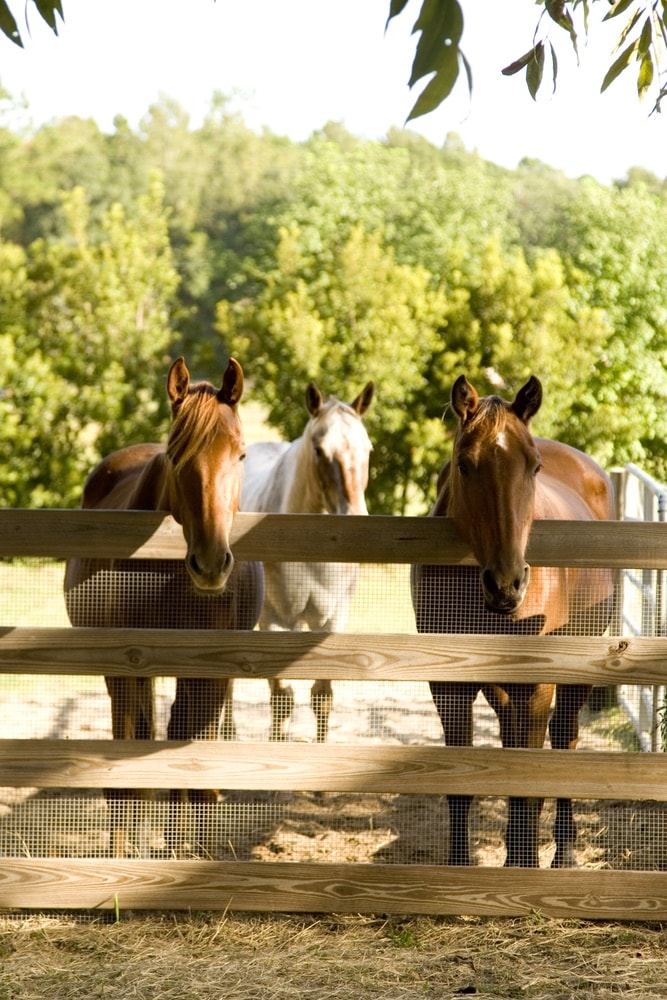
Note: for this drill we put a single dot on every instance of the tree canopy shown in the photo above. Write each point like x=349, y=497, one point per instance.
x=335, y=259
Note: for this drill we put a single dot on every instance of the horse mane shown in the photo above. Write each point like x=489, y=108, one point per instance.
x=330, y=407
x=195, y=423
x=492, y=410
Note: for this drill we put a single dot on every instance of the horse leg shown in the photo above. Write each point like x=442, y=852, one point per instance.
x=454, y=706
x=564, y=735
x=282, y=706
x=195, y=715
x=132, y=717
x=228, y=726
x=321, y=701
x=523, y=713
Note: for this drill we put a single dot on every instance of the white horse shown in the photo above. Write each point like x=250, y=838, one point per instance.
x=325, y=471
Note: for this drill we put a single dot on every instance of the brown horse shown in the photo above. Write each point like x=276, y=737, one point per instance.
x=499, y=480
x=196, y=478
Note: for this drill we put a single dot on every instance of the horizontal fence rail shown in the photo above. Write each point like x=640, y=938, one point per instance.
x=304, y=537
x=314, y=887
x=313, y=655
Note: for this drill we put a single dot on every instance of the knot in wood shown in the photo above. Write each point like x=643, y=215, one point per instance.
x=135, y=657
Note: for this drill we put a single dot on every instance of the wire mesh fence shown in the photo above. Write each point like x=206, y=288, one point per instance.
x=295, y=826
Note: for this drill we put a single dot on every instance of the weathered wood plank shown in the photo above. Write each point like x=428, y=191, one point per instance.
x=331, y=888
x=333, y=767
x=342, y=656
x=306, y=537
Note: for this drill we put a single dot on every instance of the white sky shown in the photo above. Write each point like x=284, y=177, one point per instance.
x=297, y=64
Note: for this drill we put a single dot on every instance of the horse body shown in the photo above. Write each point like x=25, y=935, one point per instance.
x=195, y=477
x=499, y=480
x=325, y=471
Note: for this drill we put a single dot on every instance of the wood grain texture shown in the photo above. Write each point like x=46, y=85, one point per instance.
x=307, y=887
x=331, y=888
x=305, y=537
x=333, y=767
x=311, y=655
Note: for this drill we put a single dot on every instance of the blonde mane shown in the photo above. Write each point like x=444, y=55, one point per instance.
x=195, y=424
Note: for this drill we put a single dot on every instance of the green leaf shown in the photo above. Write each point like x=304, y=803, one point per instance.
x=441, y=25
x=627, y=29
x=554, y=66
x=535, y=70
x=559, y=13
x=617, y=9
x=8, y=25
x=48, y=10
x=441, y=85
x=518, y=64
x=645, y=78
x=619, y=65
x=395, y=8
x=645, y=38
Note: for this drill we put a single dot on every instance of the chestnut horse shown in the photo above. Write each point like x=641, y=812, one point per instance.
x=325, y=471
x=499, y=480
x=195, y=477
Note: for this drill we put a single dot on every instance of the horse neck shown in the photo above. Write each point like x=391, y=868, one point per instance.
x=304, y=494
x=152, y=489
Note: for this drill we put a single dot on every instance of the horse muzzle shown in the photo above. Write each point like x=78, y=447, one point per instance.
x=503, y=594
x=209, y=576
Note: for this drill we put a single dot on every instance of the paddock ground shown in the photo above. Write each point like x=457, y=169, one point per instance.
x=238, y=957
x=233, y=956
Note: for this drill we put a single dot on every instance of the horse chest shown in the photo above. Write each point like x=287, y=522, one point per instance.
x=316, y=596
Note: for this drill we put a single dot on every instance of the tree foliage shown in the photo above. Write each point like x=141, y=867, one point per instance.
x=336, y=259
x=85, y=339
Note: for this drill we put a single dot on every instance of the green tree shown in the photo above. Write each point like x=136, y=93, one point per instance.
x=365, y=317
x=86, y=349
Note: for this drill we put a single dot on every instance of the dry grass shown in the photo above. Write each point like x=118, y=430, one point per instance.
x=239, y=957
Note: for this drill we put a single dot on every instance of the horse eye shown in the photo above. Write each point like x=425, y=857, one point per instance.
x=462, y=467
x=319, y=452
x=243, y=456
x=538, y=468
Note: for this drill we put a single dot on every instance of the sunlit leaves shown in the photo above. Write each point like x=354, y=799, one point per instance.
x=648, y=48
x=440, y=25
x=88, y=318
x=441, y=22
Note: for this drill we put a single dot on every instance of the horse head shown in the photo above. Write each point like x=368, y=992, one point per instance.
x=491, y=487
x=340, y=450
x=205, y=450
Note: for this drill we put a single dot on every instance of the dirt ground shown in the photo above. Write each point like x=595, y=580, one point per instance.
x=249, y=957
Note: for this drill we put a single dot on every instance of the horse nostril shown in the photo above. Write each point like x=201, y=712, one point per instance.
x=193, y=565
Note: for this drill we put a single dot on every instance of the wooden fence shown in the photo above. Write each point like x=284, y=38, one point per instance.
x=330, y=887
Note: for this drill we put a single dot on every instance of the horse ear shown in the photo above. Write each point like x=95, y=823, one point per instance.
x=314, y=399
x=364, y=399
x=178, y=381
x=528, y=399
x=464, y=399
x=231, y=390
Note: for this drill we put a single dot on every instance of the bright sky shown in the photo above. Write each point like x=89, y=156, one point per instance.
x=296, y=64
